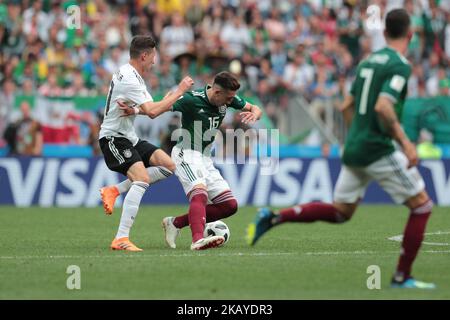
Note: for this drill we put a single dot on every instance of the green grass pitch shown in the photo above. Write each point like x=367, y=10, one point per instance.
x=295, y=261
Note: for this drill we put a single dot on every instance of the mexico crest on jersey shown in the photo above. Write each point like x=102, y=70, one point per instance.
x=127, y=153
x=223, y=109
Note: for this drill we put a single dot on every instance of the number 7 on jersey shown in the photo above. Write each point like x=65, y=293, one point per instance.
x=367, y=74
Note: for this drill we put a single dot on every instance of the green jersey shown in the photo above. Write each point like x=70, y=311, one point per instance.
x=201, y=119
x=384, y=73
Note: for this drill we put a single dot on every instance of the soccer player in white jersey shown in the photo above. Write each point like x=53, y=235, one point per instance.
x=123, y=151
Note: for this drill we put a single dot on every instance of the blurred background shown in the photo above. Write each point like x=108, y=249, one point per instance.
x=295, y=58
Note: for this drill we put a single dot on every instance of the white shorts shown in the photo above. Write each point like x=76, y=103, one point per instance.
x=392, y=174
x=193, y=168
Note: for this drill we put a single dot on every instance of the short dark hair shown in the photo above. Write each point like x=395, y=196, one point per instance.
x=140, y=44
x=397, y=24
x=227, y=81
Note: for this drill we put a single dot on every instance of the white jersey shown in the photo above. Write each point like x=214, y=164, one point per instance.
x=127, y=86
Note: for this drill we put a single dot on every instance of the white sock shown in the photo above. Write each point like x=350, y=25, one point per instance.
x=156, y=174
x=131, y=207
x=124, y=186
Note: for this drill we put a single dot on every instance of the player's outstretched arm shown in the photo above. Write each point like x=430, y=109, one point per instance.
x=347, y=109
x=385, y=110
x=251, y=113
x=154, y=109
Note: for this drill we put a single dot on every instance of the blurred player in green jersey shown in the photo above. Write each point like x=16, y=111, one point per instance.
x=376, y=149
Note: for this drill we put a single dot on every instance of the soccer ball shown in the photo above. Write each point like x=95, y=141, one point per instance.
x=217, y=228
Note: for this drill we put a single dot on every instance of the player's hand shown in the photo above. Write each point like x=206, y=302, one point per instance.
x=410, y=151
x=126, y=110
x=248, y=117
x=185, y=84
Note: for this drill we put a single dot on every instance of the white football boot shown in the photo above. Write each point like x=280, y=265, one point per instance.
x=208, y=242
x=171, y=232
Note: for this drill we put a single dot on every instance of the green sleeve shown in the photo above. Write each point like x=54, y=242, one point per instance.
x=395, y=82
x=237, y=103
x=182, y=104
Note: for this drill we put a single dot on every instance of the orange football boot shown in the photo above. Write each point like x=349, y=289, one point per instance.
x=109, y=196
x=124, y=244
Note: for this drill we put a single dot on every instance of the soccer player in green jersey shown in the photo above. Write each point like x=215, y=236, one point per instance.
x=373, y=109
x=202, y=113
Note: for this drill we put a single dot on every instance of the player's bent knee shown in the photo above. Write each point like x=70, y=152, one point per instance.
x=144, y=178
x=198, y=187
x=424, y=208
x=417, y=200
x=137, y=172
x=170, y=166
x=139, y=177
x=198, y=190
x=228, y=207
x=232, y=206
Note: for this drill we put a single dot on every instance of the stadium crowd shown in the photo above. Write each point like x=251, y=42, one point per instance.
x=278, y=48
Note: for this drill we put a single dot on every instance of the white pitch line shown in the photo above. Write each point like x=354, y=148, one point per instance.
x=399, y=238
x=330, y=253
x=260, y=254
x=140, y=256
